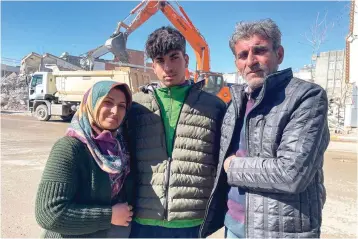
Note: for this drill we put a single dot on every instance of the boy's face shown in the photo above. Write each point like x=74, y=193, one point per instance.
x=170, y=68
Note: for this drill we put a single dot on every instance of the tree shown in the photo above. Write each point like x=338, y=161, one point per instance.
x=316, y=37
x=339, y=93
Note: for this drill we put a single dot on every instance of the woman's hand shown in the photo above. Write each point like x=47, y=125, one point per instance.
x=121, y=214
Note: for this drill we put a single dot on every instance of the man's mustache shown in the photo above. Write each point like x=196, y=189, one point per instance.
x=256, y=68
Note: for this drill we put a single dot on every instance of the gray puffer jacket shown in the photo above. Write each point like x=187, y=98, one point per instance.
x=287, y=135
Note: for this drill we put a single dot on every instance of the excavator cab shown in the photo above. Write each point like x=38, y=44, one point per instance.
x=215, y=84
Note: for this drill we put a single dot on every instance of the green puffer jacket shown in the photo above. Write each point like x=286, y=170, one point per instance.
x=173, y=191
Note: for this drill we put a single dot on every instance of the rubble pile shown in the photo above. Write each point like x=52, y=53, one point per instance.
x=335, y=117
x=14, y=93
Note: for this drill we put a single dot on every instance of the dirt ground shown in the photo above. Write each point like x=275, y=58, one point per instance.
x=26, y=142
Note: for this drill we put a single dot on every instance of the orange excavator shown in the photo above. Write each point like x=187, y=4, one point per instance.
x=214, y=81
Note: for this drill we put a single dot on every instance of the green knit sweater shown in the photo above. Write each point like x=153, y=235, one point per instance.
x=74, y=195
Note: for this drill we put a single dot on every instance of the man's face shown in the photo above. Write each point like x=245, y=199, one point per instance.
x=256, y=59
x=170, y=69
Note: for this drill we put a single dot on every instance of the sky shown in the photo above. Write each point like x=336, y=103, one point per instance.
x=77, y=27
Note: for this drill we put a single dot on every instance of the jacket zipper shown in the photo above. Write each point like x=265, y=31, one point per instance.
x=170, y=114
x=167, y=176
x=170, y=159
x=248, y=153
x=168, y=166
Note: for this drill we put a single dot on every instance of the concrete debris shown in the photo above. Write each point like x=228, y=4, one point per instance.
x=74, y=60
x=336, y=117
x=14, y=93
x=11, y=76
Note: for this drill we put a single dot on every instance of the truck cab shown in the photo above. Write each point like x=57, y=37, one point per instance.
x=41, y=86
x=42, y=90
x=59, y=93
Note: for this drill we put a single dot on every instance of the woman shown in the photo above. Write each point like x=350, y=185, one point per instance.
x=81, y=192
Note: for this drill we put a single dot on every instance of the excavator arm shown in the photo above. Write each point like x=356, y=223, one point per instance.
x=118, y=40
x=143, y=11
x=214, y=82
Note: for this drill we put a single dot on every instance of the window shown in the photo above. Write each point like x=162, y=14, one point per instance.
x=213, y=84
x=338, y=83
x=329, y=91
x=331, y=65
x=219, y=81
x=36, y=80
x=339, y=65
x=330, y=84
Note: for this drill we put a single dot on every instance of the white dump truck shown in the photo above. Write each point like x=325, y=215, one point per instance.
x=59, y=93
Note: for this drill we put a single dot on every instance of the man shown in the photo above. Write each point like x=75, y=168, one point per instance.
x=273, y=139
x=174, y=135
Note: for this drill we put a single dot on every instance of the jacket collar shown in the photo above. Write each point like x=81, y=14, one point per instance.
x=277, y=79
x=272, y=82
x=151, y=87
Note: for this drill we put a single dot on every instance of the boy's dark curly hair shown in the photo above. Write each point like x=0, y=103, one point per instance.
x=163, y=40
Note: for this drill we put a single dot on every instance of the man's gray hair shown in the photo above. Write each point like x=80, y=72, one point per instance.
x=266, y=28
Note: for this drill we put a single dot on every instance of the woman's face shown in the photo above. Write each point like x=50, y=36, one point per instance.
x=112, y=110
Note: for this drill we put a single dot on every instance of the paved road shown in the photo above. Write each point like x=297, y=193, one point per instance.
x=26, y=142
x=25, y=145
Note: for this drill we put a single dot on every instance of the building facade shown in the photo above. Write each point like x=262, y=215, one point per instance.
x=351, y=109
x=329, y=72
x=7, y=70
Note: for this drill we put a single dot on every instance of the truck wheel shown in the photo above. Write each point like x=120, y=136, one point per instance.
x=67, y=118
x=41, y=113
